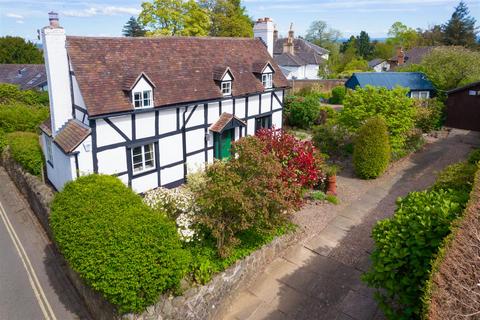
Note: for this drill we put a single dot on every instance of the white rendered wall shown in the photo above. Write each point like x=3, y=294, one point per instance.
x=277, y=119
x=171, y=149
x=227, y=106
x=145, y=125
x=124, y=123
x=264, y=31
x=253, y=105
x=106, y=135
x=85, y=160
x=240, y=108
x=112, y=161
x=77, y=94
x=167, y=120
x=172, y=174
x=145, y=183
x=58, y=76
x=61, y=172
x=311, y=72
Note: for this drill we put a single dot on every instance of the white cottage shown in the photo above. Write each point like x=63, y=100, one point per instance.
x=150, y=110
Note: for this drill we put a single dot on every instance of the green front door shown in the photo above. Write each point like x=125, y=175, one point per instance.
x=223, y=144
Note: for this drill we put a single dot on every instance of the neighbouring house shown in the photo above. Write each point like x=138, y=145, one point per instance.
x=418, y=83
x=26, y=76
x=413, y=56
x=297, y=58
x=151, y=110
x=463, y=107
x=379, y=65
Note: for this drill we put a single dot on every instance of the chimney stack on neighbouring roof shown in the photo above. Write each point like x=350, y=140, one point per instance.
x=288, y=46
x=264, y=29
x=58, y=72
x=53, y=18
x=400, y=56
x=275, y=35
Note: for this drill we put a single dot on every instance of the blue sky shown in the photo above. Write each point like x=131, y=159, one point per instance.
x=106, y=18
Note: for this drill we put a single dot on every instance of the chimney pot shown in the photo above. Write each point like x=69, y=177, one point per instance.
x=53, y=18
x=400, y=56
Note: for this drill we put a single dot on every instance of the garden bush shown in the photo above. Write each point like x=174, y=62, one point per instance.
x=406, y=245
x=10, y=93
x=302, y=112
x=332, y=139
x=429, y=114
x=21, y=117
x=338, y=94
x=393, y=105
x=246, y=192
x=118, y=245
x=300, y=160
x=25, y=150
x=3, y=141
x=371, y=153
x=474, y=157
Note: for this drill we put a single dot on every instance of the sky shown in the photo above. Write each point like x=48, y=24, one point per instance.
x=107, y=17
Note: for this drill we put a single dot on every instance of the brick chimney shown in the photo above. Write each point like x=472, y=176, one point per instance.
x=400, y=56
x=275, y=35
x=264, y=29
x=58, y=72
x=288, y=46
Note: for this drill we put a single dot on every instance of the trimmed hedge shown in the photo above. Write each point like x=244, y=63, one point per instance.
x=371, y=153
x=118, y=245
x=21, y=117
x=406, y=243
x=302, y=111
x=25, y=150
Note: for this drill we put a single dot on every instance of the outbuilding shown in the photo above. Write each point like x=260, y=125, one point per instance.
x=463, y=107
x=418, y=83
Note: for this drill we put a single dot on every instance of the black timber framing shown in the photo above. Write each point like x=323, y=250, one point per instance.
x=93, y=126
x=205, y=122
x=128, y=152
x=120, y=132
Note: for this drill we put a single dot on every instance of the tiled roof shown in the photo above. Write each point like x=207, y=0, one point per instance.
x=27, y=76
x=70, y=135
x=375, y=62
x=390, y=80
x=181, y=68
x=305, y=53
x=224, y=120
x=414, y=55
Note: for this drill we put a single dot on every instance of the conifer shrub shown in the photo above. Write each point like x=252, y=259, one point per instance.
x=371, y=153
x=119, y=246
x=25, y=150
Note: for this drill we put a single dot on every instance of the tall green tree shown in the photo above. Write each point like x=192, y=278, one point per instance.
x=460, y=30
x=322, y=35
x=364, y=46
x=174, y=18
x=18, y=50
x=401, y=35
x=351, y=42
x=433, y=36
x=229, y=18
x=133, y=29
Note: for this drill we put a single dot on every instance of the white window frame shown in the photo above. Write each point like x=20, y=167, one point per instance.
x=143, y=161
x=420, y=94
x=142, y=99
x=48, y=147
x=226, y=88
x=267, y=80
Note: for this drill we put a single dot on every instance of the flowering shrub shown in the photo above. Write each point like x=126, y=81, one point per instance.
x=179, y=205
x=300, y=160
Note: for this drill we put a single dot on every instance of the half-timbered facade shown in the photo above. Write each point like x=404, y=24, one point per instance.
x=151, y=110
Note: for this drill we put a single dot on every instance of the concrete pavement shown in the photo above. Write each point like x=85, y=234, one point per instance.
x=320, y=277
x=32, y=283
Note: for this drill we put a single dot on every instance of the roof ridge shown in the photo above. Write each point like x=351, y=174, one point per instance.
x=163, y=38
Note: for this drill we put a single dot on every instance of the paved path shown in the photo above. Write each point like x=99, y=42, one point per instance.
x=32, y=283
x=320, y=277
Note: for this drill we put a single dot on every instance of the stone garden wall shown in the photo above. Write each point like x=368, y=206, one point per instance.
x=201, y=302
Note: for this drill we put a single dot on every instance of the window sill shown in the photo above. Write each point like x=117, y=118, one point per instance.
x=143, y=173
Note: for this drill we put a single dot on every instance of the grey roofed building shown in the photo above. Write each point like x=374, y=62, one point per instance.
x=26, y=76
x=304, y=53
x=412, y=56
x=375, y=62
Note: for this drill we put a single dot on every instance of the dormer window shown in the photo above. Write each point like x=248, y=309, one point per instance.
x=267, y=80
x=227, y=88
x=142, y=99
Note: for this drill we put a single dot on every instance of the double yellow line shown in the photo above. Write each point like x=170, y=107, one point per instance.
x=32, y=276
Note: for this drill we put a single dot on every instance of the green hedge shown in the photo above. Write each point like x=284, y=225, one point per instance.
x=338, y=94
x=25, y=149
x=371, y=153
x=10, y=93
x=3, y=140
x=117, y=244
x=21, y=117
x=407, y=243
x=302, y=111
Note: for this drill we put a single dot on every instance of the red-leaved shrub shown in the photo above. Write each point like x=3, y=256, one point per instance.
x=300, y=160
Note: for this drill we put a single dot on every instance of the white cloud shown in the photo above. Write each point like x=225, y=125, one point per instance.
x=102, y=11
x=14, y=15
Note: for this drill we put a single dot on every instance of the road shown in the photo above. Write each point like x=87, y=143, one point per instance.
x=32, y=282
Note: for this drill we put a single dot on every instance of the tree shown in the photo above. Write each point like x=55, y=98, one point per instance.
x=229, y=19
x=432, y=37
x=364, y=46
x=460, y=29
x=174, y=17
x=322, y=35
x=350, y=43
x=18, y=50
x=401, y=35
x=449, y=67
x=133, y=29
x=384, y=50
